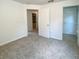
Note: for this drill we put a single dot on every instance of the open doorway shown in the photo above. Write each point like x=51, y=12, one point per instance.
x=70, y=23
x=32, y=21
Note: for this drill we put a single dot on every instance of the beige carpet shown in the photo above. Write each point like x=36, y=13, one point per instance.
x=36, y=47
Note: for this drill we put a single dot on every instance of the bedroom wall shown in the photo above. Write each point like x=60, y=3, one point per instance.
x=56, y=17
x=13, y=20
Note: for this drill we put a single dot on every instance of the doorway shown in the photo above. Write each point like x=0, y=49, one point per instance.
x=70, y=22
x=32, y=21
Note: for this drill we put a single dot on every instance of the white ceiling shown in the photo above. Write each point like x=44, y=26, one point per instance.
x=39, y=2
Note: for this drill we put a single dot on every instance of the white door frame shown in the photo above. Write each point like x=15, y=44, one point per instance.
x=37, y=21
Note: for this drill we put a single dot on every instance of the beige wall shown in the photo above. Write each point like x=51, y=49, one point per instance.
x=13, y=20
x=56, y=17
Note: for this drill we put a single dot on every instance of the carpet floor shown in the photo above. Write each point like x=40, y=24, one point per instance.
x=37, y=47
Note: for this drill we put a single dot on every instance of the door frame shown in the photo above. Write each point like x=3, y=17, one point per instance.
x=63, y=21
x=37, y=18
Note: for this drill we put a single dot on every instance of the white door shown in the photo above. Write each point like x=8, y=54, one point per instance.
x=70, y=20
x=44, y=22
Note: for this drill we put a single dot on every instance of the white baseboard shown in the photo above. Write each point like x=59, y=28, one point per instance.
x=56, y=38
x=1, y=44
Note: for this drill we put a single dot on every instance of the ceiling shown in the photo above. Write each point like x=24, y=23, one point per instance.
x=39, y=2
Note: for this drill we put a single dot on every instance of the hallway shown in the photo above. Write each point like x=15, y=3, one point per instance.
x=37, y=47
